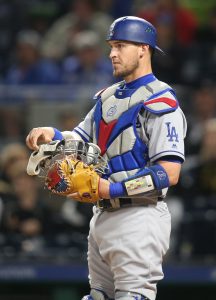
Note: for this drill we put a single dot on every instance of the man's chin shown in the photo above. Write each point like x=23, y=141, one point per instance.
x=117, y=74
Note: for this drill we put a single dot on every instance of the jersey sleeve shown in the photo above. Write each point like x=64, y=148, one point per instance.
x=166, y=135
x=85, y=128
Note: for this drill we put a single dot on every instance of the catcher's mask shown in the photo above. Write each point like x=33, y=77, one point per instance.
x=88, y=153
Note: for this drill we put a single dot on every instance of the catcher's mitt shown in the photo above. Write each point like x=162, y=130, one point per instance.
x=69, y=175
x=69, y=167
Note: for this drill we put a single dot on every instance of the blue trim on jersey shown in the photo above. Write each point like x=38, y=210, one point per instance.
x=98, y=117
x=166, y=110
x=167, y=152
x=178, y=161
x=82, y=136
x=122, y=94
x=161, y=93
x=144, y=80
x=84, y=132
x=162, y=110
x=157, y=95
x=129, y=88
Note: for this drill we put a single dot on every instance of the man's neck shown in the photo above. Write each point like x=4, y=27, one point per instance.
x=141, y=81
x=140, y=72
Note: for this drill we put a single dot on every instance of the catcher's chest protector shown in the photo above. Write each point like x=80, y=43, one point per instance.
x=115, y=124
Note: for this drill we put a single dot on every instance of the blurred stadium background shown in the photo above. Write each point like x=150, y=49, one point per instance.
x=53, y=60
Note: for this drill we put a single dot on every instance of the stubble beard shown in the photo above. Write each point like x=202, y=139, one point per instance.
x=126, y=71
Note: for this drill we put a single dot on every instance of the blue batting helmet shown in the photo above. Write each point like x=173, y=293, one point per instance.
x=133, y=29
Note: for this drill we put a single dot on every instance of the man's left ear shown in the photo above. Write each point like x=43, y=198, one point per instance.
x=143, y=50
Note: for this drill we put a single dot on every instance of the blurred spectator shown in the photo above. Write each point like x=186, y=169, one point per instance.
x=192, y=66
x=203, y=52
x=116, y=8
x=200, y=7
x=76, y=215
x=26, y=216
x=207, y=151
x=30, y=217
x=73, y=215
x=68, y=119
x=184, y=20
x=29, y=67
x=88, y=65
x=82, y=16
x=11, y=20
x=207, y=32
x=41, y=14
x=203, y=108
x=9, y=155
x=168, y=67
x=200, y=59
x=198, y=189
x=12, y=123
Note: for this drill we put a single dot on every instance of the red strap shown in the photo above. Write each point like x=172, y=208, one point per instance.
x=104, y=134
x=168, y=101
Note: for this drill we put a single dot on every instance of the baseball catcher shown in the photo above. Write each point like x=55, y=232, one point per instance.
x=69, y=168
x=140, y=128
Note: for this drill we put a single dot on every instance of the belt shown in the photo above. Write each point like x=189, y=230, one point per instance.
x=113, y=204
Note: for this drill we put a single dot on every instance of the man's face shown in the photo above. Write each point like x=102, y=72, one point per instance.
x=26, y=54
x=124, y=57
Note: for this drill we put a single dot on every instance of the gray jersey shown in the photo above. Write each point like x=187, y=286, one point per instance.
x=164, y=134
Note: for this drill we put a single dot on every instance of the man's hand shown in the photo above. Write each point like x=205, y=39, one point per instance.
x=39, y=135
x=103, y=190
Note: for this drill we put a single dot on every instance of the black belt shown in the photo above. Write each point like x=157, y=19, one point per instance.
x=113, y=204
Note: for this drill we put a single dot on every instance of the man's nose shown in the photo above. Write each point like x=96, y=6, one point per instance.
x=112, y=53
